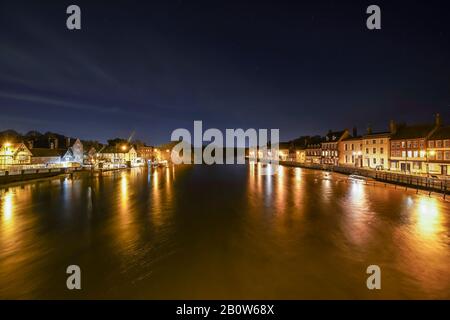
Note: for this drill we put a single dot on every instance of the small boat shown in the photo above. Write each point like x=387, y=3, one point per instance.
x=357, y=178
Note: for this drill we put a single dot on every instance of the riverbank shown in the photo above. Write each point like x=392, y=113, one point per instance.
x=17, y=177
x=14, y=176
x=382, y=177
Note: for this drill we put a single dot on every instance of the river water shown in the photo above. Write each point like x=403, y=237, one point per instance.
x=213, y=232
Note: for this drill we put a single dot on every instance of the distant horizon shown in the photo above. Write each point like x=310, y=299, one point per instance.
x=145, y=141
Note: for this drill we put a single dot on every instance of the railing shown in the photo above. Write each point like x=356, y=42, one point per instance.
x=410, y=181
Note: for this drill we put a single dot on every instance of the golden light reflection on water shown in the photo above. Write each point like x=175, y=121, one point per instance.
x=428, y=217
x=156, y=197
x=126, y=233
x=281, y=192
x=425, y=244
x=7, y=228
x=7, y=207
x=288, y=213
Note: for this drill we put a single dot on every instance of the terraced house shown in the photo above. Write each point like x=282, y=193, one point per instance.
x=409, y=147
x=438, y=152
x=330, y=147
x=351, y=151
x=376, y=149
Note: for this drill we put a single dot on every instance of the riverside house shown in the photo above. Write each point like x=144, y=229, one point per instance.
x=408, y=152
x=146, y=153
x=313, y=153
x=438, y=152
x=118, y=155
x=70, y=155
x=330, y=146
x=376, y=148
x=350, y=152
x=14, y=154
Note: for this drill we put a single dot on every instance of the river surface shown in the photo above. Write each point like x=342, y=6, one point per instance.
x=213, y=232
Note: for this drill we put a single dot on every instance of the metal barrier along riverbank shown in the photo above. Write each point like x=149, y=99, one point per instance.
x=408, y=181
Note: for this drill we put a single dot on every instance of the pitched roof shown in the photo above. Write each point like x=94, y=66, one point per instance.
x=377, y=134
x=353, y=138
x=46, y=152
x=333, y=136
x=412, y=131
x=116, y=149
x=441, y=133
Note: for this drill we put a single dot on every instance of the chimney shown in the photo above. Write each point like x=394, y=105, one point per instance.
x=438, y=121
x=67, y=142
x=369, y=129
x=53, y=143
x=355, y=132
x=392, y=127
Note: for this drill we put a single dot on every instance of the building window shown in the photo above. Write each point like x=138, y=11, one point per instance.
x=381, y=150
x=381, y=141
x=403, y=144
x=431, y=144
x=382, y=161
x=374, y=141
x=447, y=156
x=353, y=159
x=416, y=154
x=374, y=161
x=447, y=143
x=439, y=155
x=439, y=144
x=374, y=150
x=403, y=154
x=353, y=146
x=409, y=144
x=422, y=144
x=409, y=154
x=345, y=147
x=367, y=150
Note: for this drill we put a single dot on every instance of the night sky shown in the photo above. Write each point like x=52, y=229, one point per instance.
x=151, y=67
